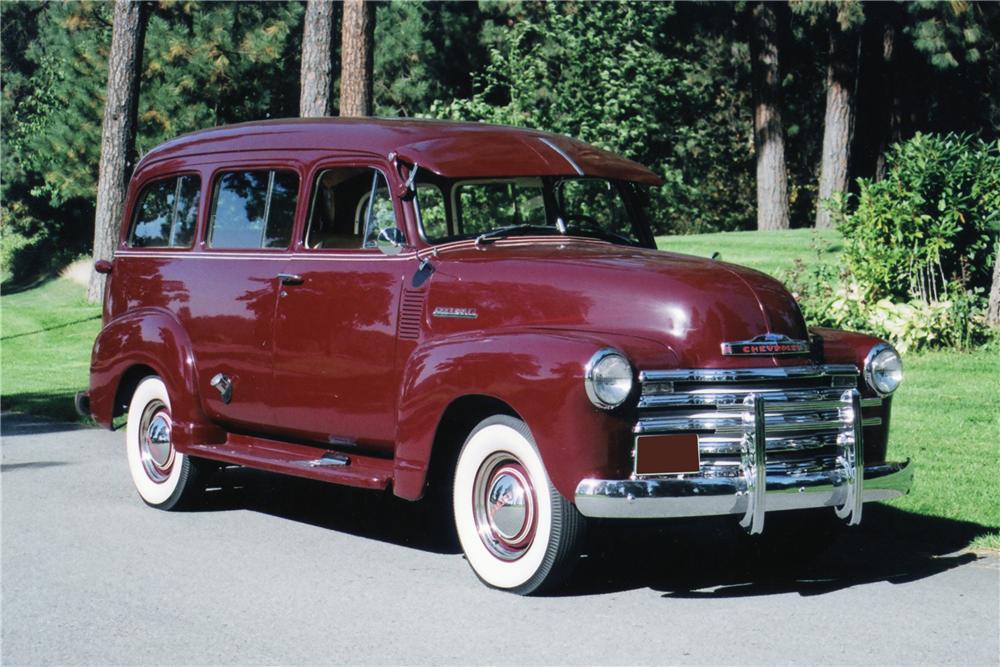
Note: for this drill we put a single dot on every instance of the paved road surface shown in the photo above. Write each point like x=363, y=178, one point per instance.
x=279, y=571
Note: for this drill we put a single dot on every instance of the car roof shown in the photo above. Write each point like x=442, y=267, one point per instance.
x=451, y=149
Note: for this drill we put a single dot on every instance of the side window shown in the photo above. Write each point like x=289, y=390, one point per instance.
x=166, y=214
x=433, y=217
x=343, y=214
x=253, y=209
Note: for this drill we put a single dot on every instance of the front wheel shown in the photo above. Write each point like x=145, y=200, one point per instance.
x=518, y=533
x=164, y=478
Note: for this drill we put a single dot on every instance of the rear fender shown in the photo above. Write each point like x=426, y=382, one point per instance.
x=153, y=338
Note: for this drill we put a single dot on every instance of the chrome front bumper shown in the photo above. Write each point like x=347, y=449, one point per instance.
x=668, y=497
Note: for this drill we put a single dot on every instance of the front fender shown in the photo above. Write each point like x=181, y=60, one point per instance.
x=835, y=346
x=149, y=337
x=537, y=373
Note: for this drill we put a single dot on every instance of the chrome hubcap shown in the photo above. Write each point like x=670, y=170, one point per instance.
x=156, y=449
x=504, y=506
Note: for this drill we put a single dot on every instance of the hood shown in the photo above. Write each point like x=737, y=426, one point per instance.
x=688, y=304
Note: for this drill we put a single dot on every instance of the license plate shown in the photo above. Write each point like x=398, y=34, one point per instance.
x=667, y=454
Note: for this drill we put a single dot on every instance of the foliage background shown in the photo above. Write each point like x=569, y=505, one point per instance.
x=666, y=84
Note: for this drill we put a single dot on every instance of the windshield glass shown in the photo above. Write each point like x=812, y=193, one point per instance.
x=499, y=207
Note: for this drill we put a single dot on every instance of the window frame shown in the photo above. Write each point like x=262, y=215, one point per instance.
x=137, y=207
x=299, y=243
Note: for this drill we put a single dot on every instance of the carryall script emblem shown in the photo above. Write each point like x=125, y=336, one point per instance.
x=765, y=345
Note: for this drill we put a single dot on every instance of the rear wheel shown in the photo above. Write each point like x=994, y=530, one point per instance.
x=518, y=533
x=164, y=477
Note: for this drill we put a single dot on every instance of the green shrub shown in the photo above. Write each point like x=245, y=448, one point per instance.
x=918, y=248
x=925, y=228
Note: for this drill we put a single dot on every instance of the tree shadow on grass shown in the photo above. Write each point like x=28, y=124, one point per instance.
x=803, y=552
x=40, y=412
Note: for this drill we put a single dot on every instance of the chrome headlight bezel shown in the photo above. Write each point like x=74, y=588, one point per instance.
x=873, y=366
x=596, y=368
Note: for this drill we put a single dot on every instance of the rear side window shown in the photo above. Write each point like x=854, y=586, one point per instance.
x=253, y=209
x=166, y=214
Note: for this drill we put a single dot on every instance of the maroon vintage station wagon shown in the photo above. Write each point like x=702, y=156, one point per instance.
x=424, y=306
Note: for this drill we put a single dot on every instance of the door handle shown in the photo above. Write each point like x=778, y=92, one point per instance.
x=290, y=279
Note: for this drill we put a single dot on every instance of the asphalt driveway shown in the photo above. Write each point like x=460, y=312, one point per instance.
x=281, y=571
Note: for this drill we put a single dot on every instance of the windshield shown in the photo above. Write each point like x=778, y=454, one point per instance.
x=489, y=209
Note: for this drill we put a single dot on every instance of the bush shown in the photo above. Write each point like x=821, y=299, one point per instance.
x=925, y=228
x=918, y=248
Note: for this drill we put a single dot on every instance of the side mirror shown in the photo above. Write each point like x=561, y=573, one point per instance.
x=390, y=241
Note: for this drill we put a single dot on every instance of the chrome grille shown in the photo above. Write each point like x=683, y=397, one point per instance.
x=806, y=412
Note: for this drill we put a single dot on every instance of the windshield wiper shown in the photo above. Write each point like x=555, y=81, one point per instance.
x=513, y=230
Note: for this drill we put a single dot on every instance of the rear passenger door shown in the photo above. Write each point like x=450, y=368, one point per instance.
x=250, y=215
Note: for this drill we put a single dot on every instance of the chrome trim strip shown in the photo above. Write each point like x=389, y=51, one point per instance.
x=754, y=464
x=731, y=423
x=871, y=402
x=670, y=497
x=747, y=374
x=724, y=396
x=563, y=155
x=851, y=459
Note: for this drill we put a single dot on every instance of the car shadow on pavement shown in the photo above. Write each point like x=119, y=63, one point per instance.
x=424, y=525
x=809, y=553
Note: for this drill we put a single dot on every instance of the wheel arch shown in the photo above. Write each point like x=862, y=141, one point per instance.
x=143, y=342
x=459, y=418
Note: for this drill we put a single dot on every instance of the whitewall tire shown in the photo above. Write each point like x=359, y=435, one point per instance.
x=164, y=477
x=518, y=533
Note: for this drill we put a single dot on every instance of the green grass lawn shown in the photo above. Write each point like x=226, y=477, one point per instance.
x=770, y=252
x=45, y=338
x=946, y=416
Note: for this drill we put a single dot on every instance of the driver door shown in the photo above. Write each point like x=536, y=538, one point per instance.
x=335, y=324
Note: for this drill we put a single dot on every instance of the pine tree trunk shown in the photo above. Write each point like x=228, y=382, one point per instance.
x=993, y=311
x=356, y=48
x=317, y=59
x=118, y=155
x=769, y=133
x=838, y=124
x=893, y=105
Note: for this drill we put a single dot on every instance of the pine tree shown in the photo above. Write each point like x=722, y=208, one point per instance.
x=118, y=156
x=317, y=59
x=356, y=49
x=769, y=132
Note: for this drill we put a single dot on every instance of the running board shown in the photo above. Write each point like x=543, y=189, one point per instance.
x=366, y=472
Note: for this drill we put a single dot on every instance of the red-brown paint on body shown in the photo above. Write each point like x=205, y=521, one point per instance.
x=354, y=358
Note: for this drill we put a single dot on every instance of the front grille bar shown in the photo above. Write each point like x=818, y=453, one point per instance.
x=753, y=461
x=763, y=413
x=851, y=459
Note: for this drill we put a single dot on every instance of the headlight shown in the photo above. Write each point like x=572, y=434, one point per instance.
x=883, y=369
x=608, y=378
